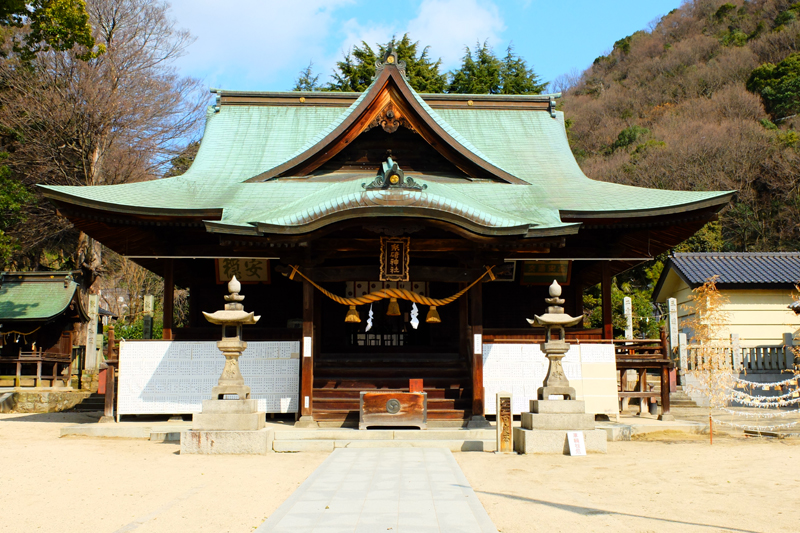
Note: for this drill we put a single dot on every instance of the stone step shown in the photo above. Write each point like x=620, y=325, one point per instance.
x=329, y=445
x=385, y=434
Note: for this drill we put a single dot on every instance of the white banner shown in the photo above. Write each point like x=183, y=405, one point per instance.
x=174, y=377
x=521, y=368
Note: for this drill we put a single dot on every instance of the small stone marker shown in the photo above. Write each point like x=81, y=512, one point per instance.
x=505, y=442
x=577, y=445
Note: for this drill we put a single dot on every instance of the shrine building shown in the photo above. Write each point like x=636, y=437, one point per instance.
x=443, y=216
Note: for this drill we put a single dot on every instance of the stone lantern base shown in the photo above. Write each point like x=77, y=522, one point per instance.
x=228, y=427
x=544, y=429
x=229, y=415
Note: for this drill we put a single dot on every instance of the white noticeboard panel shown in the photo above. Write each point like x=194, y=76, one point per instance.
x=174, y=377
x=521, y=368
x=577, y=444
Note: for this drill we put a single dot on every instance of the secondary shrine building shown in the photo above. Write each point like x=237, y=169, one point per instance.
x=334, y=207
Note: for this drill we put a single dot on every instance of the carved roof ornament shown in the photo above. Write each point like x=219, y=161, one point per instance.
x=390, y=176
x=389, y=119
x=390, y=58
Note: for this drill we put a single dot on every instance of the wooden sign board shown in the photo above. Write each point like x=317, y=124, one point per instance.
x=505, y=442
x=394, y=258
x=245, y=270
x=544, y=272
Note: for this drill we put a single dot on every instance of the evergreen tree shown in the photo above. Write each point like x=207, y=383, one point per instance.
x=50, y=25
x=778, y=85
x=479, y=74
x=356, y=70
x=306, y=80
x=517, y=78
x=484, y=73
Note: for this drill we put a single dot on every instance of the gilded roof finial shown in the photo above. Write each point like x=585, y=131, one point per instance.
x=390, y=59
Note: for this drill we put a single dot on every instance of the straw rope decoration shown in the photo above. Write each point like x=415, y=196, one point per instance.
x=393, y=293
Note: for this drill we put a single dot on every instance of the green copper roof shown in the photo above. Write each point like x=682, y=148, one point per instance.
x=243, y=141
x=34, y=296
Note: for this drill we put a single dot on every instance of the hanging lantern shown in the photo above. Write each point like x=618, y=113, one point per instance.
x=352, y=315
x=394, y=308
x=433, y=316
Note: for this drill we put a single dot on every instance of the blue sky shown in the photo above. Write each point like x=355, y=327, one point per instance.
x=263, y=44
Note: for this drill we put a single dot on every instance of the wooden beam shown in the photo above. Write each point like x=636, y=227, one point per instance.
x=370, y=273
x=476, y=304
x=307, y=357
x=371, y=246
x=608, y=326
x=169, y=298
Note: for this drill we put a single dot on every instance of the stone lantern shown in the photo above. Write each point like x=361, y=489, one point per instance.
x=220, y=414
x=231, y=319
x=551, y=425
x=554, y=321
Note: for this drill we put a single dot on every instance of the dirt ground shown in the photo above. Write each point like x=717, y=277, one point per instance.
x=78, y=484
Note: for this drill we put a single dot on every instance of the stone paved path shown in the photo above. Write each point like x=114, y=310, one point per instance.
x=368, y=490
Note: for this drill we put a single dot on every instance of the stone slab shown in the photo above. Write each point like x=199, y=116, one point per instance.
x=529, y=441
x=163, y=436
x=227, y=442
x=334, y=434
x=616, y=432
x=230, y=406
x=452, y=445
x=446, y=434
x=350, y=491
x=575, y=422
x=302, y=445
x=558, y=406
x=228, y=421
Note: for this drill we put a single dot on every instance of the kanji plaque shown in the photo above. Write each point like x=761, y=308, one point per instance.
x=394, y=258
x=246, y=270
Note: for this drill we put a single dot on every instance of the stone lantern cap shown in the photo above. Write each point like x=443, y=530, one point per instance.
x=555, y=315
x=234, y=313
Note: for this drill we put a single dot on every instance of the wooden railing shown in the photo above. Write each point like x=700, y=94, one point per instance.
x=749, y=359
x=642, y=355
x=48, y=365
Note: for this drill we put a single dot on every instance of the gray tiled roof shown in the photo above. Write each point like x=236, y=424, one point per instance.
x=739, y=267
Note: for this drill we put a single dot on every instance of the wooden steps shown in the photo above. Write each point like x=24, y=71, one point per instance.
x=339, y=381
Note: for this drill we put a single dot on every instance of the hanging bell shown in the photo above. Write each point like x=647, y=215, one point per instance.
x=433, y=316
x=394, y=308
x=352, y=315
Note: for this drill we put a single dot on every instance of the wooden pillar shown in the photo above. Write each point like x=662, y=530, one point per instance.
x=464, y=344
x=476, y=304
x=111, y=362
x=665, y=385
x=169, y=298
x=307, y=359
x=605, y=286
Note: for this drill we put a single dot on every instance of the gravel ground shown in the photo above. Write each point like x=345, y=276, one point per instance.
x=671, y=482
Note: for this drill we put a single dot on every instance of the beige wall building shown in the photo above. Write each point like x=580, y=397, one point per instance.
x=759, y=286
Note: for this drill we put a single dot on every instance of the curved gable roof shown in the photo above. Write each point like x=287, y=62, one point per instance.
x=389, y=90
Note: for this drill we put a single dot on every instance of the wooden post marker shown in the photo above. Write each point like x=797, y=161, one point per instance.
x=505, y=442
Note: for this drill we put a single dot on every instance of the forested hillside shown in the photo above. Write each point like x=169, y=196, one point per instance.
x=705, y=99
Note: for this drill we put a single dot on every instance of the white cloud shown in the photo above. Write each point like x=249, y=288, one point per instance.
x=450, y=25
x=251, y=41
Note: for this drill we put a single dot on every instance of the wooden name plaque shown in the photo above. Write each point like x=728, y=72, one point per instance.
x=393, y=409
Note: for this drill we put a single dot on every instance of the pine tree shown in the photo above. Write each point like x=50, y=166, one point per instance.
x=479, y=74
x=484, y=73
x=517, y=78
x=356, y=70
x=306, y=80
